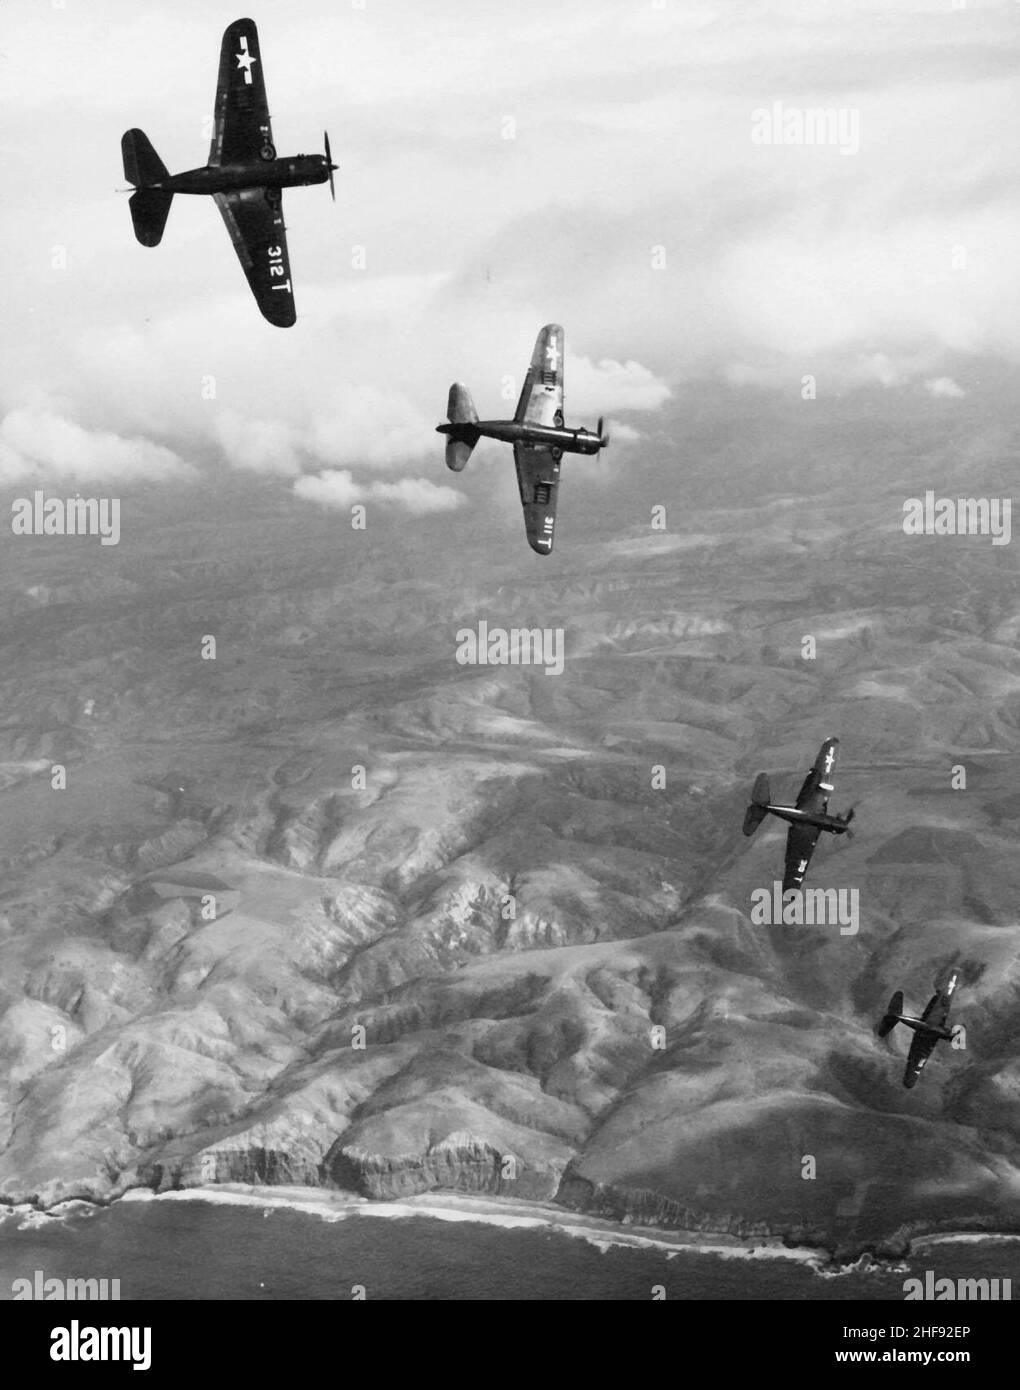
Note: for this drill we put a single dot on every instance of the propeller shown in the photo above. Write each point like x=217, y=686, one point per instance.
x=848, y=818
x=330, y=165
x=602, y=433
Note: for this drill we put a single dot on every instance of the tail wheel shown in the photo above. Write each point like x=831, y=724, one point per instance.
x=558, y=419
x=274, y=197
x=557, y=453
x=267, y=151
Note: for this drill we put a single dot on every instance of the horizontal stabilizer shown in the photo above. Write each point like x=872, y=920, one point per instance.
x=458, y=451
x=760, y=794
x=460, y=408
x=142, y=165
x=753, y=817
x=461, y=435
x=892, y=1014
x=150, y=207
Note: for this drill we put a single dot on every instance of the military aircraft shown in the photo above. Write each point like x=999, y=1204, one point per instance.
x=243, y=176
x=537, y=433
x=929, y=1029
x=807, y=819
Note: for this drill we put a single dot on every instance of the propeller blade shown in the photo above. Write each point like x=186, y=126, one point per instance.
x=601, y=431
x=330, y=165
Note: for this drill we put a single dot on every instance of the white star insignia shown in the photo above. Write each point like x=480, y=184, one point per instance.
x=245, y=59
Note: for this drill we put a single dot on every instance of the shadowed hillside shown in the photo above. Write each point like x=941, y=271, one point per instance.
x=334, y=909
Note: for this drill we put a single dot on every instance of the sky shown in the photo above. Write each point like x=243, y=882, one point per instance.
x=617, y=166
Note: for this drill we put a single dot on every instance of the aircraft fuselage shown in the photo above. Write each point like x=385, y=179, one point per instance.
x=295, y=172
x=512, y=432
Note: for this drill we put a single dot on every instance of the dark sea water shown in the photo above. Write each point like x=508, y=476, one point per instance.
x=185, y=1249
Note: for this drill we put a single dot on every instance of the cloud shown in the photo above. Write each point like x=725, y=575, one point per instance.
x=33, y=441
x=620, y=433
x=609, y=385
x=332, y=488
x=376, y=427
x=419, y=495
x=944, y=386
x=625, y=200
x=262, y=446
x=337, y=488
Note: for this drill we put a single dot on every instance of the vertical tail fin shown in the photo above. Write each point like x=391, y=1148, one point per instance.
x=142, y=165
x=892, y=1013
x=461, y=434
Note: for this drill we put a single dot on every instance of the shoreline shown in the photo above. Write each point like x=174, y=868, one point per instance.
x=508, y=1213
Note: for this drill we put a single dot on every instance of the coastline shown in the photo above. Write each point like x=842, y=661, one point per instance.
x=507, y=1212
x=334, y=1205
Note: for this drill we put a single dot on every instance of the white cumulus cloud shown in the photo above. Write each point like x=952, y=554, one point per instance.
x=944, y=386
x=34, y=441
x=338, y=488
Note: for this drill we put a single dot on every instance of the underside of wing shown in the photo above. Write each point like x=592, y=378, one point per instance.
x=254, y=219
x=800, y=845
x=541, y=401
x=818, y=784
x=241, y=129
x=921, y=1048
x=538, y=476
x=937, y=1011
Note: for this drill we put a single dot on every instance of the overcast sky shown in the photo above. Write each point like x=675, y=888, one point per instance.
x=892, y=265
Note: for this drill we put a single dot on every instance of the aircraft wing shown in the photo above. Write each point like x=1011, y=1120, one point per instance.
x=818, y=786
x=541, y=401
x=921, y=1048
x=241, y=129
x=256, y=228
x=937, y=1012
x=800, y=845
x=538, y=476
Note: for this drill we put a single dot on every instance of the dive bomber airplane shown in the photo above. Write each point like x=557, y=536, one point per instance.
x=929, y=1029
x=807, y=819
x=244, y=177
x=537, y=433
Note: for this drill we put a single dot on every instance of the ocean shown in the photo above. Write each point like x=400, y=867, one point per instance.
x=259, y=1246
